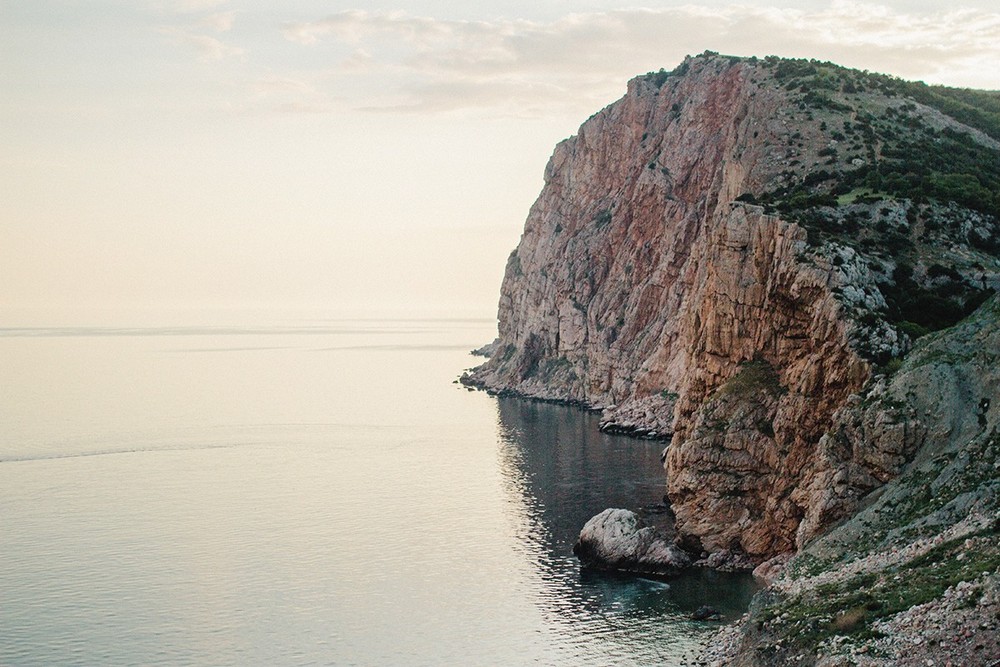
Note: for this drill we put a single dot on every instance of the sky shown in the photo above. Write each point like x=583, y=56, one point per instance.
x=203, y=158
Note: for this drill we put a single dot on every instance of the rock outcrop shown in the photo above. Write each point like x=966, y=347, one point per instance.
x=617, y=539
x=704, y=262
x=914, y=577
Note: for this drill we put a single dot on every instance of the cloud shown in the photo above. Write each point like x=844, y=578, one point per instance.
x=274, y=83
x=579, y=60
x=190, y=31
x=191, y=6
x=210, y=48
x=219, y=22
x=292, y=94
x=207, y=47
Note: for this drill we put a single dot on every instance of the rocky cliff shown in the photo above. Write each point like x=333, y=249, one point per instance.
x=914, y=577
x=728, y=255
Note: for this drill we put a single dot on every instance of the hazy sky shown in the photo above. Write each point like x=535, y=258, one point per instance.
x=159, y=155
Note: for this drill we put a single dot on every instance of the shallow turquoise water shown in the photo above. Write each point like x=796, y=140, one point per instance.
x=314, y=493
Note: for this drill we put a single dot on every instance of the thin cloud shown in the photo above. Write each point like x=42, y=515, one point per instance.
x=511, y=66
x=273, y=83
x=207, y=48
x=292, y=94
x=219, y=22
x=190, y=33
x=355, y=25
x=210, y=48
x=192, y=6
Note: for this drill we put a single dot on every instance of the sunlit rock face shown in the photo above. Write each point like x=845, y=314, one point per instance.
x=642, y=286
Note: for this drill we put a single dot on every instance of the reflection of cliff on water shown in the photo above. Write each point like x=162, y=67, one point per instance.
x=567, y=470
x=558, y=471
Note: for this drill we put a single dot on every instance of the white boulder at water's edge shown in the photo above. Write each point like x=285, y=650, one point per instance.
x=616, y=539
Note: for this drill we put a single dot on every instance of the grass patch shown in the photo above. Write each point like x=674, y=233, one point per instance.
x=861, y=194
x=848, y=621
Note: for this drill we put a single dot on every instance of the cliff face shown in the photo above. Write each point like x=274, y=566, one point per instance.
x=913, y=578
x=643, y=287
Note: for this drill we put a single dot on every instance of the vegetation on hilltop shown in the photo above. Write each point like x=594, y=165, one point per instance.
x=871, y=165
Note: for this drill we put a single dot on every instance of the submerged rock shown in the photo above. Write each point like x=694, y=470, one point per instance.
x=706, y=613
x=617, y=539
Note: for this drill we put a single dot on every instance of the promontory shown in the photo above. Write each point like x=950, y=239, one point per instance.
x=786, y=270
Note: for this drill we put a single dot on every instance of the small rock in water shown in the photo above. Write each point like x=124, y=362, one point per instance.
x=706, y=613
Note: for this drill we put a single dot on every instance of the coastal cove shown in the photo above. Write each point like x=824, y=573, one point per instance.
x=313, y=492
x=436, y=334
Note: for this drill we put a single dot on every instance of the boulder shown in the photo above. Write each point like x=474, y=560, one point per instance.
x=617, y=539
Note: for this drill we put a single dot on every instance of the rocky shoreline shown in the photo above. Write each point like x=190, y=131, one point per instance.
x=634, y=421
x=929, y=538
x=959, y=627
x=913, y=579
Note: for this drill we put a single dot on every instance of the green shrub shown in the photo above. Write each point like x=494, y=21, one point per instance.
x=603, y=218
x=658, y=78
x=912, y=329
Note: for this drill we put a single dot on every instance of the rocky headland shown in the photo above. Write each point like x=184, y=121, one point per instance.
x=784, y=268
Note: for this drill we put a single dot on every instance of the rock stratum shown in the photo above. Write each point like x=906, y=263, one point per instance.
x=749, y=257
x=724, y=256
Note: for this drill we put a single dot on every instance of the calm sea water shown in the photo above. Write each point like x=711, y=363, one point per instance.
x=310, y=494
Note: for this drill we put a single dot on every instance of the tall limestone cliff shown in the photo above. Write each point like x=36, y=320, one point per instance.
x=728, y=254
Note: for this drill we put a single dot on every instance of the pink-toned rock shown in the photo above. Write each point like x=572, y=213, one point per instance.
x=640, y=283
x=646, y=284
x=772, y=568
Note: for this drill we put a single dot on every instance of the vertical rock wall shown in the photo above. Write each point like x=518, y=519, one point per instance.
x=640, y=281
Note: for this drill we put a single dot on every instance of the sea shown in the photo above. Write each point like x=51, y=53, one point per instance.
x=312, y=492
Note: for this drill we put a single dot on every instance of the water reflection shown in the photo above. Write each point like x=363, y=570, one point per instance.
x=559, y=470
